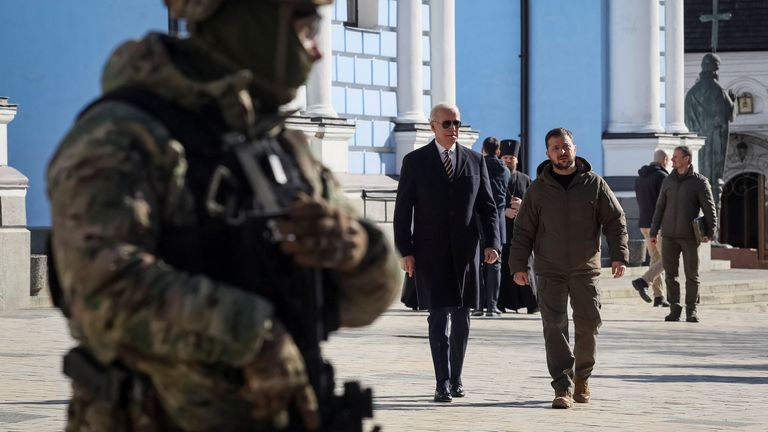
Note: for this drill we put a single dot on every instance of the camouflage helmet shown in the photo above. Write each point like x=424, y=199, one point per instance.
x=199, y=10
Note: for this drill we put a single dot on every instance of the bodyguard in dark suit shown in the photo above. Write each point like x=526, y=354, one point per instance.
x=443, y=188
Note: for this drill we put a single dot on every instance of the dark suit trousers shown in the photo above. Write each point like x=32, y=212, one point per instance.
x=448, y=344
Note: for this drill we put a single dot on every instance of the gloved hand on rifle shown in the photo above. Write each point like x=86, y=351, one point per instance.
x=278, y=378
x=319, y=235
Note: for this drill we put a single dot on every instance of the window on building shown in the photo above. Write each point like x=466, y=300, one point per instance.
x=362, y=13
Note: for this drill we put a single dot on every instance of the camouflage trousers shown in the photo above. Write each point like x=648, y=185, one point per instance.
x=140, y=411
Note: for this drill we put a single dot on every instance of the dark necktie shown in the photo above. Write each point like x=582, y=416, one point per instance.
x=447, y=164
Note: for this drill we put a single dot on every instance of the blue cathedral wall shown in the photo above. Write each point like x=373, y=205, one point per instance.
x=53, y=53
x=568, y=72
x=488, y=67
x=364, y=75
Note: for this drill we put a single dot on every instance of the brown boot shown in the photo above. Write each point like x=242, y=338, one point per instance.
x=563, y=399
x=581, y=393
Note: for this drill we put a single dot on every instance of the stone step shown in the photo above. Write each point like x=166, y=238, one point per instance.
x=735, y=286
x=750, y=296
x=636, y=272
x=721, y=298
x=610, y=291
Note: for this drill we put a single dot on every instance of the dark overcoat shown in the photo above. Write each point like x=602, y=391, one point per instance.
x=435, y=222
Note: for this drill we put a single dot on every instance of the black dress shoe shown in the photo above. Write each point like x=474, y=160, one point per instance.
x=642, y=289
x=533, y=310
x=659, y=301
x=457, y=391
x=442, y=395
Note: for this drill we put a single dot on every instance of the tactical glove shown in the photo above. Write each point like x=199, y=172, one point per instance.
x=319, y=235
x=277, y=378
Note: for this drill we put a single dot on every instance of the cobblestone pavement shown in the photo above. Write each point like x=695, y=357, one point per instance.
x=650, y=376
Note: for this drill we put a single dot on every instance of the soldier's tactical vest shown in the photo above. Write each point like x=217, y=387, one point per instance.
x=230, y=240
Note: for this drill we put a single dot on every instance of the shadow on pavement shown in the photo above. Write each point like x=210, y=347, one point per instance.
x=425, y=402
x=45, y=402
x=754, y=367
x=690, y=378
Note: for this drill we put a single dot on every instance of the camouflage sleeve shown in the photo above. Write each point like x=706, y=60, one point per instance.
x=115, y=176
x=370, y=289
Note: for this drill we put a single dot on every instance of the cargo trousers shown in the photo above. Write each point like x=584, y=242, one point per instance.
x=553, y=293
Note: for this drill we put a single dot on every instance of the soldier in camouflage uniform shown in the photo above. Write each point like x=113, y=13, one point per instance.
x=159, y=234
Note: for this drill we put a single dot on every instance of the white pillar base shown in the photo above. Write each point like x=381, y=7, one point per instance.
x=328, y=139
x=409, y=137
x=468, y=136
x=624, y=154
x=14, y=241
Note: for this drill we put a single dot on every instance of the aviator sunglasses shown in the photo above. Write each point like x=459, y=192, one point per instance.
x=448, y=123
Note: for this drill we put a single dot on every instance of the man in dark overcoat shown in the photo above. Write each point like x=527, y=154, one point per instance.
x=443, y=188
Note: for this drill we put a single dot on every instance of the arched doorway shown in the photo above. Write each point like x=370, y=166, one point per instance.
x=742, y=212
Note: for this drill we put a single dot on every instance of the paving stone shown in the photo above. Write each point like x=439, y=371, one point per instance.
x=651, y=375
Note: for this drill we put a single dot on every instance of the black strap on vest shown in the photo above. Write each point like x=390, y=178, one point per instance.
x=196, y=130
x=199, y=132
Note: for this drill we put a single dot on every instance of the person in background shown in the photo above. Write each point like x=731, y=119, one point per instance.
x=513, y=296
x=684, y=193
x=647, y=188
x=499, y=177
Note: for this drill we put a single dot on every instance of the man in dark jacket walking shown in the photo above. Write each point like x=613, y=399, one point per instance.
x=647, y=188
x=499, y=176
x=683, y=194
x=560, y=220
x=511, y=295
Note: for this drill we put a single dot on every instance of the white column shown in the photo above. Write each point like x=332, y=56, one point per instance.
x=442, y=44
x=633, y=52
x=7, y=113
x=409, y=58
x=675, y=70
x=319, y=81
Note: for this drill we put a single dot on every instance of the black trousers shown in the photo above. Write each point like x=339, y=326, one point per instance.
x=448, y=343
x=671, y=248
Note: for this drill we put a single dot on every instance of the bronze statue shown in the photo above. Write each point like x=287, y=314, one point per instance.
x=708, y=110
